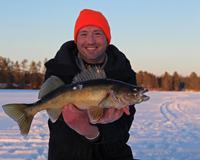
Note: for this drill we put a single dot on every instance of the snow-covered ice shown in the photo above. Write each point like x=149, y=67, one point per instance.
x=165, y=128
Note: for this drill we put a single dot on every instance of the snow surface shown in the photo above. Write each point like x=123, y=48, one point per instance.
x=167, y=127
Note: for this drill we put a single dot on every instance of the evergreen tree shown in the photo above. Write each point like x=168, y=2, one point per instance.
x=6, y=71
x=17, y=73
x=36, y=78
x=176, y=82
x=154, y=81
x=193, y=82
x=167, y=82
x=24, y=73
x=146, y=80
x=2, y=69
x=33, y=74
x=139, y=77
x=40, y=76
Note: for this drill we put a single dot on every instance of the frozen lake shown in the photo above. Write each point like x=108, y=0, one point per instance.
x=165, y=128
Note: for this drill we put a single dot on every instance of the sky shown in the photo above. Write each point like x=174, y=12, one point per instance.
x=156, y=36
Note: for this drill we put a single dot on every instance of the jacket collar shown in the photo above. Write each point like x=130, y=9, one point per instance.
x=66, y=61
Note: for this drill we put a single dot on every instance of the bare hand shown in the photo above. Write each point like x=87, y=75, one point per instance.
x=112, y=114
x=78, y=120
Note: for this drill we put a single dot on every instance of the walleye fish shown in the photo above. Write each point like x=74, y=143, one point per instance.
x=89, y=91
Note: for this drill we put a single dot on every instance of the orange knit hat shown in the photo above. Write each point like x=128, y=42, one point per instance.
x=94, y=18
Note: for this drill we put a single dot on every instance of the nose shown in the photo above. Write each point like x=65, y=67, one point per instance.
x=91, y=39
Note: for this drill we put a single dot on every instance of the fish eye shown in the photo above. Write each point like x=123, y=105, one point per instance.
x=140, y=100
x=135, y=90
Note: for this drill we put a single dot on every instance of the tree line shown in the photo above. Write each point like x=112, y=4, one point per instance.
x=168, y=82
x=21, y=75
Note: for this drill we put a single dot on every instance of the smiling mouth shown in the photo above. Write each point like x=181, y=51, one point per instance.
x=91, y=48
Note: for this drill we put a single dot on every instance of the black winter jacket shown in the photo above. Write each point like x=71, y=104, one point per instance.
x=64, y=142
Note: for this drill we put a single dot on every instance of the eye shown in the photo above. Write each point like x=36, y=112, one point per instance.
x=98, y=34
x=135, y=90
x=83, y=35
x=140, y=100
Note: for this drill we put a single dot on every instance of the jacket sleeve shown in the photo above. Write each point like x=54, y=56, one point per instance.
x=119, y=129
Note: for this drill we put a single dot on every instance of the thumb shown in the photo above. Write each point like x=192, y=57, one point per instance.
x=126, y=110
x=71, y=108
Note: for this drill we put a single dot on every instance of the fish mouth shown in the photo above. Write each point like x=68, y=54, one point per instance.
x=143, y=96
x=144, y=90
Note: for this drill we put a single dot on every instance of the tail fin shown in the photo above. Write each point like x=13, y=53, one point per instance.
x=18, y=112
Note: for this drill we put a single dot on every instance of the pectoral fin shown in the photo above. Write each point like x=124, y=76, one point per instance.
x=95, y=113
x=54, y=114
x=105, y=102
x=111, y=101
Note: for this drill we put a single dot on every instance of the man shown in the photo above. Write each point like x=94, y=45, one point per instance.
x=72, y=136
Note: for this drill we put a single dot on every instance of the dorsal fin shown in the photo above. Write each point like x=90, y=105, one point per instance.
x=91, y=73
x=49, y=85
